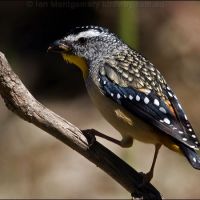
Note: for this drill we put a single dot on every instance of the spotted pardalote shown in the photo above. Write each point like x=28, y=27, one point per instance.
x=129, y=92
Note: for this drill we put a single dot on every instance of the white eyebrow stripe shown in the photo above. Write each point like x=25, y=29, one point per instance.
x=85, y=34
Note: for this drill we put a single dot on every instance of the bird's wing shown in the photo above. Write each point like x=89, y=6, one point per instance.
x=142, y=90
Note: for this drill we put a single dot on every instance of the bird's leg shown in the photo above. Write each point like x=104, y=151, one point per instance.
x=97, y=133
x=125, y=142
x=148, y=176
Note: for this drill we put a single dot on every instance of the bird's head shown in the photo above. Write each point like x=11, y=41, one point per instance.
x=84, y=45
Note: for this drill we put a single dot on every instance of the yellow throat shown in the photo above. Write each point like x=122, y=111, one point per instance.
x=79, y=62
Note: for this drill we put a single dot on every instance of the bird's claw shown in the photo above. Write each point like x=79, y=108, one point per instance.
x=146, y=178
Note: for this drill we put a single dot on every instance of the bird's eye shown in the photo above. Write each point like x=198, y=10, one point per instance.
x=82, y=40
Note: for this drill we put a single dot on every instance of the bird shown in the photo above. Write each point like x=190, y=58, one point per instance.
x=130, y=92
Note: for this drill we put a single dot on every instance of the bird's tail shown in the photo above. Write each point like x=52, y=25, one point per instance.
x=191, y=155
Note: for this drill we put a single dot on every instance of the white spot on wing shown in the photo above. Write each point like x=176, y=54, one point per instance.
x=137, y=98
x=111, y=94
x=118, y=96
x=130, y=97
x=194, y=136
x=156, y=102
x=184, y=139
x=104, y=82
x=162, y=110
x=170, y=94
x=166, y=120
x=179, y=105
x=194, y=159
x=146, y=100
x=181, y=132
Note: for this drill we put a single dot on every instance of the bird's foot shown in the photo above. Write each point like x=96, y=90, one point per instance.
x=146, y=178
x=90, y=136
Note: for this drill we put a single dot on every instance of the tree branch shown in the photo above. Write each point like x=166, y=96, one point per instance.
x=19, y=100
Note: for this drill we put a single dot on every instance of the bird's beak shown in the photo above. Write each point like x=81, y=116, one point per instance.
x=59, y=46
x=66, y=50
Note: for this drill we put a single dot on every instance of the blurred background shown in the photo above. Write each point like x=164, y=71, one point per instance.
x=33, y=164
